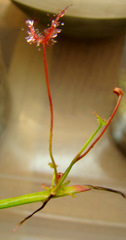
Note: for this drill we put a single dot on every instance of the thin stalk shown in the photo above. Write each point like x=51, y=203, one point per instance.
x=51, y=113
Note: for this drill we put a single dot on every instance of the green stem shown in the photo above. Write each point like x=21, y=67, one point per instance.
x=51, y=113
x=24, y=199
x=45, y=196
x=75, y=159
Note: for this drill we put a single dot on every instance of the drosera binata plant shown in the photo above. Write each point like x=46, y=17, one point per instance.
x=59, y=186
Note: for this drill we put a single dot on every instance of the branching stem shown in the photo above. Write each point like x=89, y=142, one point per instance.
x=119, y=92
x=75, y=159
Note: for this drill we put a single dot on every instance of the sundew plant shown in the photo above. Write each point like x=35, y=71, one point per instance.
x=60, y=186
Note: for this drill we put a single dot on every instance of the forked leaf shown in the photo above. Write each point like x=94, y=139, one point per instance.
x=101, y=121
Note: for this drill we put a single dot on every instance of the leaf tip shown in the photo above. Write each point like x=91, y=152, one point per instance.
x=118, y=91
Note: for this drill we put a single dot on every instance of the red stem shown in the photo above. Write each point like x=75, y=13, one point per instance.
x=51, y=111
x=119, y=92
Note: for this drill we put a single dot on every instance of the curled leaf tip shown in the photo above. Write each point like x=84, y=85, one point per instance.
x=118, y=91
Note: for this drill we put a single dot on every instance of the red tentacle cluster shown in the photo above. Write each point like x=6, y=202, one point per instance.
x=34, y=36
